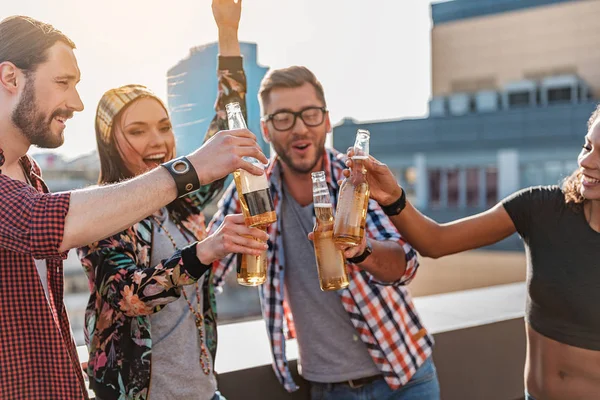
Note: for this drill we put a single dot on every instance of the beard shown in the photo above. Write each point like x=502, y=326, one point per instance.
x=33, y=123
x=296, y=167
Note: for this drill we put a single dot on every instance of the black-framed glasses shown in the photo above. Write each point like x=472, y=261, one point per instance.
x=284, y=120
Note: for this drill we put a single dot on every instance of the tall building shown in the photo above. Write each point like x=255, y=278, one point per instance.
x=513, y=85
x=192, y=91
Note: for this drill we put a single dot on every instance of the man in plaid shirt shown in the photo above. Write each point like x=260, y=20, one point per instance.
x=366, y=340
x=38, y=78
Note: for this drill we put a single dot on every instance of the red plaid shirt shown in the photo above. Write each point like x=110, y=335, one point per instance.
x=38, y=357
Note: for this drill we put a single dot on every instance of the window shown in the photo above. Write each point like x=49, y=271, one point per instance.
x=434, y=178
x=491, y=187
x=559, y=95
x=518, y=99
x=472, y=187
x=453, y=187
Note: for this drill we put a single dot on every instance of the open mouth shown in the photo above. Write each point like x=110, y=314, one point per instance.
x=301, y=146
x=61, y=120
x=588, y=180
x=155, y=159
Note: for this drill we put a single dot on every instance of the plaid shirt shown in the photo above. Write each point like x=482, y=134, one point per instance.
x=382, y=313
x=38, y=357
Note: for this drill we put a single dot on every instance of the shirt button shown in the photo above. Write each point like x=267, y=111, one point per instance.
x=355, y=337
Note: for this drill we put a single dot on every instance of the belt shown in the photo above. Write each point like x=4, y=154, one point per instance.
x=356, y=383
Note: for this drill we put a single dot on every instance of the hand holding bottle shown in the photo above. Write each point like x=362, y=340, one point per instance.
x=232, y=236
x=224, y=153
x=383, y=186
x=349, y=251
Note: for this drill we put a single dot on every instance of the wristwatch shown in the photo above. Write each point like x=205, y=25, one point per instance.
x=396, y=207
x=183, y=173
x=362, y=257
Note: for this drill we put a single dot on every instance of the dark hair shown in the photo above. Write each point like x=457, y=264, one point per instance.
x=291, y=77
x=572, y=184
x=25, y=41
x=112, y=166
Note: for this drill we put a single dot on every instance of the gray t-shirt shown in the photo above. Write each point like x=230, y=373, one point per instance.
x=176, y=370
x=329, y=345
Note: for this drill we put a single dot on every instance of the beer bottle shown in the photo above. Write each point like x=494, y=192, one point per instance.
x=253, y=191
x=251, y=270
x=353, y=200
x=257, y=207
x=331, y=265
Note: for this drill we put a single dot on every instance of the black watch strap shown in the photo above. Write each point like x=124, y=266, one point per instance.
x=362, y=257
x=184, y=174
x=396, y=207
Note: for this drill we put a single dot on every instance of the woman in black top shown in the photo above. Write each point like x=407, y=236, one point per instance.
x=561, y=231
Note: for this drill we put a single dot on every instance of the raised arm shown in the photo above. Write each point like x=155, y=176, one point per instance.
x=428, y=237
x=227, y=15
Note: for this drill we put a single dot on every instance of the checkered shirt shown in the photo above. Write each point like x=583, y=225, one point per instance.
x=382, y=313
x=38, y=357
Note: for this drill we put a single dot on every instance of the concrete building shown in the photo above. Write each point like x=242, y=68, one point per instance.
x=192, y=90
x=513, y=85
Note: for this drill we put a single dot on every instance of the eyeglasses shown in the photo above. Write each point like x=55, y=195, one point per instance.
x=284, y=120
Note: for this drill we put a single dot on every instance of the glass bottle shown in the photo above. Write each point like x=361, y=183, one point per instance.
x=331, y=265
x=253, y=191
x=257, y=207
x=353, y=201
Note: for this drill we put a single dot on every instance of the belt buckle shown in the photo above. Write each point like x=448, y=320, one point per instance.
x=353, y=385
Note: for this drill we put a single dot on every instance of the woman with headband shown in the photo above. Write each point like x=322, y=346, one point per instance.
x=150, y=321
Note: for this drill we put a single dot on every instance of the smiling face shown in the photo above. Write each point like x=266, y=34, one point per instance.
x=144, y=136
x=49, y=98
x=300, y=147
x=589, y=163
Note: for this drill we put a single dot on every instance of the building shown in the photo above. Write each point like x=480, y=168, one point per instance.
x=192, y=90
x=61, y=175
x=513, y=85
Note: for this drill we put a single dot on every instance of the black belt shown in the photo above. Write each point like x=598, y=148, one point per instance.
x=356, y=383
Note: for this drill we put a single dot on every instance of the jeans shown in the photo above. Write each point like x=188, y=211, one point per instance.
x=422, y=386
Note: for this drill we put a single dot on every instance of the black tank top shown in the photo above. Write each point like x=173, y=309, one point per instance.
x=563, y=262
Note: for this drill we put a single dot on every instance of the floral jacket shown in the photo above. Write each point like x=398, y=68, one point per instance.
x=126, y=289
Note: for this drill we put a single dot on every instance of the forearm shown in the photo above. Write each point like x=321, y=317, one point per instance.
x=387, y=262
x=435, y=240
x=100, y=212
x=420, y=231
x=229, y=45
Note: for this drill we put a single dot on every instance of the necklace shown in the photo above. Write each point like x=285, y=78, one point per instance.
x=196, y=312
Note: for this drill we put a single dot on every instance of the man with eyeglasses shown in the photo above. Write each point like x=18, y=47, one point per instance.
x=366, y=340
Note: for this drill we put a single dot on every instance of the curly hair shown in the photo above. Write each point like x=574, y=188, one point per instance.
x=572, y=184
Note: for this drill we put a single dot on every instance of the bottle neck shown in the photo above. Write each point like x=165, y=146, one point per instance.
x=358, y=171
x=321, y=194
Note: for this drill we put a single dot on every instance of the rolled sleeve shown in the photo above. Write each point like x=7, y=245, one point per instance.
x=47, y=225
x=32, y=222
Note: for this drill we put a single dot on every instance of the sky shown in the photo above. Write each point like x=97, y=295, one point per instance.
x=372, y=56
